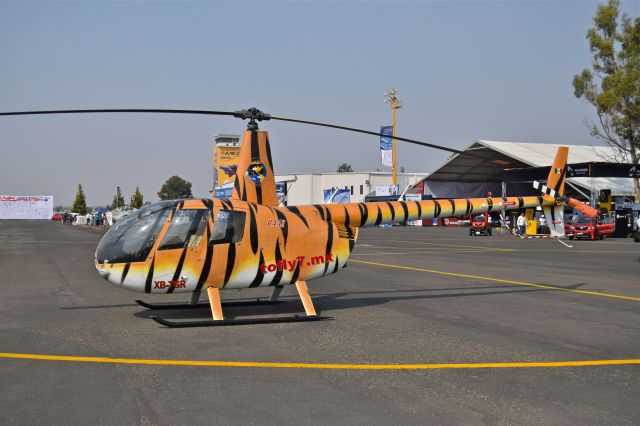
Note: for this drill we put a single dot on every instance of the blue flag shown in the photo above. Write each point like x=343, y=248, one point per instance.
x=386, y=145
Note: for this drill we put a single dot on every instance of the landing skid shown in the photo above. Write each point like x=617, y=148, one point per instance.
x=219, y=323
x=163, y=306
x=218, y=318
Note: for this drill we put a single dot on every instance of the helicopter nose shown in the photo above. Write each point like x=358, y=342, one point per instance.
x=122, y=275
x=122, y=257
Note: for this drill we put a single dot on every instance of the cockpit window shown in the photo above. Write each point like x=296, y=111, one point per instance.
x=194, y=240
x=228, y=227
x=184, y=225
x=131, y=239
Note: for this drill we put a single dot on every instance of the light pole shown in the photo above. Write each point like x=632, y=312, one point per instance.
x=391, y=97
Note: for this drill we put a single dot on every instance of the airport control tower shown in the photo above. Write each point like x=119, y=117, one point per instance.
x=226, y=150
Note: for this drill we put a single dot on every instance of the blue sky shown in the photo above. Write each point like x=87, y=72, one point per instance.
x=465, y=71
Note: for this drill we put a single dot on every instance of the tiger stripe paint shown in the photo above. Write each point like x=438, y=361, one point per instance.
x=306, y=242
x=309, y=231
x=255, y=149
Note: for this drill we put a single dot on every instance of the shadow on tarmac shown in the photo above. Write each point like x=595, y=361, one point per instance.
x=325, y=303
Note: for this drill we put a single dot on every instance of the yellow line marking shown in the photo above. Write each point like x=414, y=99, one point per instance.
x=433, y=252
x=318, y=365
x=440, y=244
x=489, y=251
x=499, y=280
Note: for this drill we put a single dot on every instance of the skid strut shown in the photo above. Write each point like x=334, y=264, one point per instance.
x=214, y=301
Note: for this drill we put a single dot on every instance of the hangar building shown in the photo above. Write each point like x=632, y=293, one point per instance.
x=480, y=169
x=308, y=188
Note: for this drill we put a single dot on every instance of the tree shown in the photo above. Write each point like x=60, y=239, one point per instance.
x=137, y=200
x=118, y=201
x=344, y=167
x=175, y=187
x=615, y=92
x=80, y=203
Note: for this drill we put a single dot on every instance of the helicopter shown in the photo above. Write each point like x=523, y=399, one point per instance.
x=250, y=241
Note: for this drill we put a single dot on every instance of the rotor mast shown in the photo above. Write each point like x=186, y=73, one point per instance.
x=253, y=115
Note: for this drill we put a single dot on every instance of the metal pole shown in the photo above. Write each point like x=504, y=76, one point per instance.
x=392, y=98
x=504, y=210
x=393, y=147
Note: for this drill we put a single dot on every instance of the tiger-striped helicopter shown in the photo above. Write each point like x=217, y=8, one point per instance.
x=248, y=241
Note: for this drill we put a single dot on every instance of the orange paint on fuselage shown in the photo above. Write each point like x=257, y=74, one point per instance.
x=275, y=246
x=278, y=245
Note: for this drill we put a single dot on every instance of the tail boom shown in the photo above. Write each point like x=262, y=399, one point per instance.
x=381, y=213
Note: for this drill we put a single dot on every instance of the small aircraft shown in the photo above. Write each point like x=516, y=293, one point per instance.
x=249, y=241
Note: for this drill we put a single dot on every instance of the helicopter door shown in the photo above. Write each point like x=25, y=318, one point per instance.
x=180, y=256
x=229, y=246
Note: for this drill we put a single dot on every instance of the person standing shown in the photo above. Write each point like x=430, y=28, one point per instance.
x=636, y=235
x=522, y=224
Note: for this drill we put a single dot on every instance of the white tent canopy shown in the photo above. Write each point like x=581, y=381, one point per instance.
x=491, y=157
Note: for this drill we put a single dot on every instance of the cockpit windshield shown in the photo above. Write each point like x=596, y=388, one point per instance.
x=131, y=239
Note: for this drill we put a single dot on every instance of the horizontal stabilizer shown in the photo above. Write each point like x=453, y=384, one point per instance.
x=544, y=189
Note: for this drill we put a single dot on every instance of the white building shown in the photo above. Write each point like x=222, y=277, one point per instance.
x=308, y=188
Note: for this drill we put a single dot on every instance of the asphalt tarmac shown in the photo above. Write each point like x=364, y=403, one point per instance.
x=419, y=298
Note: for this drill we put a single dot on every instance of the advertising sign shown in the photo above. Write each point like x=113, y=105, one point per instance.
x=281, y=192
x=225, y=162
x=413, y=197
x=224, y=193
x=26, y=207
x=342, y=196
x=387, y=190
x=386, y=145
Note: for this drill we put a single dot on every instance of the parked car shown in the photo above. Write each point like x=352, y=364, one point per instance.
x=590, y=228
x=57, y=217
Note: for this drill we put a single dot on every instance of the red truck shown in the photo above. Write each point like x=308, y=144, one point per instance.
x=480, y=225
x=590, y=228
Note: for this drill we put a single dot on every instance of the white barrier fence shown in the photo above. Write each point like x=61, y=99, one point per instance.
x=26, y=207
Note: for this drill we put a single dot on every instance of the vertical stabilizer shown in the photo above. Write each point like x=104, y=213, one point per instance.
x=554, y=190
x=254, y=178
x=558, y=171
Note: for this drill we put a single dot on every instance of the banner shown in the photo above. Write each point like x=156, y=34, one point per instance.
x=413, y=197
x=342, y=196
x=386, y=145
x=26, y=207
x=225, y=162
x=281, y=192
x=387, y=190
x=224, y=193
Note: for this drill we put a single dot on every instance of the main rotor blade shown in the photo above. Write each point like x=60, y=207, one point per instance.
x=252, y=114
x=367, y=132
x=82, y=111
